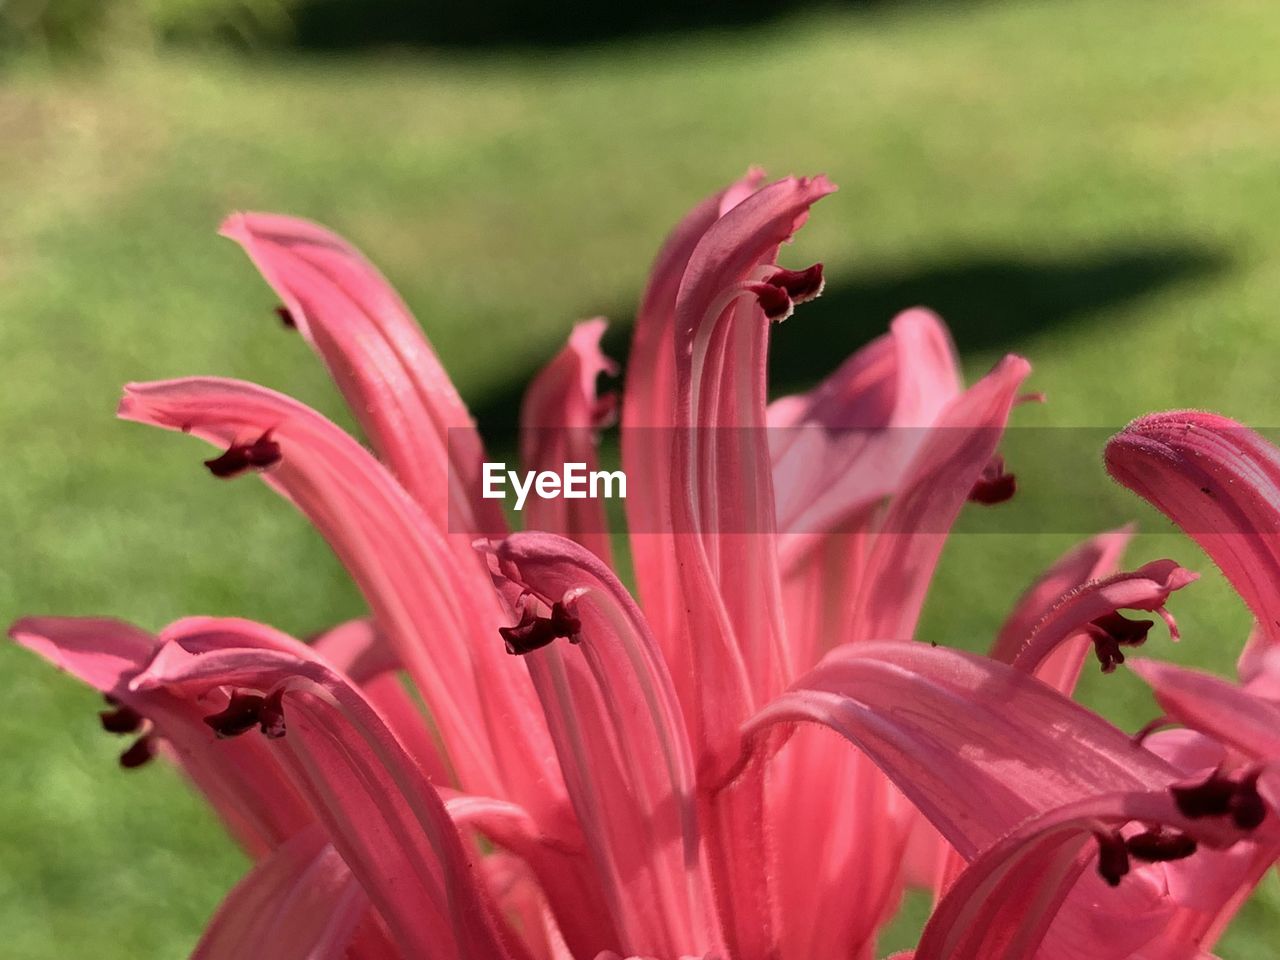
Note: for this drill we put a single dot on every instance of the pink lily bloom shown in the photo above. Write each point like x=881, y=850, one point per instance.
x=584, y=775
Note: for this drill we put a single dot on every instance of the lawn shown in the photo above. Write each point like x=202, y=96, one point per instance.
x=1090, y=183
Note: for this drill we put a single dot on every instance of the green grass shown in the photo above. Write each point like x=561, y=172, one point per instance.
x=1090, y=183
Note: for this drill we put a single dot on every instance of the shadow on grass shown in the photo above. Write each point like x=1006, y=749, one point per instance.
x=988, y=302
x=344, y=25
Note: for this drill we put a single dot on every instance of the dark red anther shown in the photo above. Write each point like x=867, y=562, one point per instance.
x=1113, y=856
x=801, y=285
x=1248, y=809
x=534, y=632
x=995, y=484
x=271, y=718
x=1211, y=797
x=286, y=317
x=142, y=750
x=1112, y=631
x=1158, y=845
x=1130, y=633
x=240, y=457
x=120, y=720
x=244, y=711
x=774, y=300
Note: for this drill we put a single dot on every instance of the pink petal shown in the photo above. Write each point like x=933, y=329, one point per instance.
x=648, y=416
x=440, y=625
x=892, y=586
x=1215, y=707
x=722, y=501
x=559, y=423
x=299, y=903
x=975, y=744
x=1147, y=588
x=1220, y=482
x=622, y=745
x=259, y=806
x=723, y=515
x=379, y=811
x=99, y=651
x=379, y=358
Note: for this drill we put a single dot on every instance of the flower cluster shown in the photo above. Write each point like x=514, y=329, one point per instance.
x=578, y=774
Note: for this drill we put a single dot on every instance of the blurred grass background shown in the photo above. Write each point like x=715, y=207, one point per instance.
x=1090, y=183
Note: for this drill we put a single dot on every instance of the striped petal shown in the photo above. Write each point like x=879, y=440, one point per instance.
x=1220, y=482
x=379, y=811
x=621, y=741
x=438, y=623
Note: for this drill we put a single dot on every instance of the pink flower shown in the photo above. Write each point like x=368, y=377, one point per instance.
x=659, y=779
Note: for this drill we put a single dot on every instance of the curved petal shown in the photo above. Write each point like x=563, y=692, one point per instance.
x=259, y=806
x=559, y=423
x=438, y=622
x=380, y=359
x=1093, y=608
x=734, y=640
x=622, y=745
x=978, y=746
x=380, y=813
x=356, y=650
x=1220, y=482
x=1213, y=706
x=648, y=414
x=1095, y=559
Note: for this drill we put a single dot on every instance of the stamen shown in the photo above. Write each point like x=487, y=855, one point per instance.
x=1220, y=796
x=1159, y=845
x=1113, y=630
x=994, y=485
x=1248, y=809
x=801, y=285
x=1113, y=856
x=534, y=632
x=271, y=719
x=141, y=752
x=774, y=301
x=120, y=720
x=241, y=457
x=244, y=711
x=286, y=317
